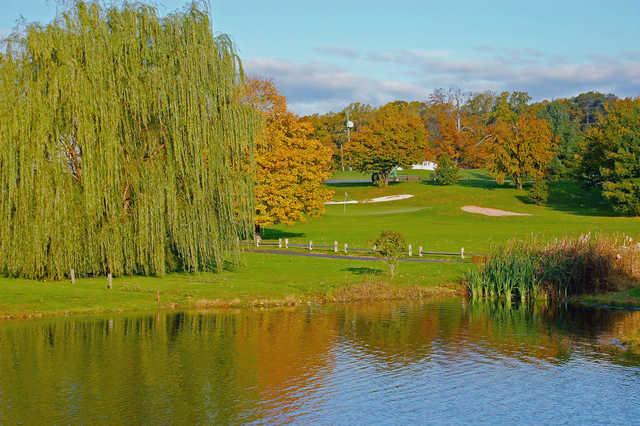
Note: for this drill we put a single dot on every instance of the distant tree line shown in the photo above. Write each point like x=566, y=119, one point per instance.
x=592, y=137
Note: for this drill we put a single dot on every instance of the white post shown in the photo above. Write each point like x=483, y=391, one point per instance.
x=72, y=275
x=420, y=251
x=310, y=245
x=410, y=250
x=286, y=243
x=258, y=240
x=335, y=246
x=109, y=281
x=279, y=242
x=375, y=248
x=462, y=253
x=346, y=248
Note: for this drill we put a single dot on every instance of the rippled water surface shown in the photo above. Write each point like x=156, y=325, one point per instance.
x=443, y=362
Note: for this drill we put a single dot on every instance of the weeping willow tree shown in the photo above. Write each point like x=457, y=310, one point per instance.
x=124, y=147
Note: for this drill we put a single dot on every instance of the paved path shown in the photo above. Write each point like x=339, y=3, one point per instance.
x=346, y=257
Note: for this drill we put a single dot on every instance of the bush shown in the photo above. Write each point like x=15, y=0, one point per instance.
x=447, y=171
x=391, y=245
x=539, y=192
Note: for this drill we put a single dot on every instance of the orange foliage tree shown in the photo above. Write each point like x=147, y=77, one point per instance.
x=291, y=166
x=522, y=147
x=455, y=134
x=392, y=136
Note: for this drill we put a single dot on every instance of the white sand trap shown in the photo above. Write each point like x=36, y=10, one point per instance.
x=373, y=200
x=491, y=212
x=388, y=198
x=328, y=203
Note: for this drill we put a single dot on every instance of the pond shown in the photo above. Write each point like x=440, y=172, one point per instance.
x=444, y=362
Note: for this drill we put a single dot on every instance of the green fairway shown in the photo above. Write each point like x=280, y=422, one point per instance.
x=434, y=220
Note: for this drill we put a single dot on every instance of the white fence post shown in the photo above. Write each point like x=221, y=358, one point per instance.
x=258, y=239
x=286, y=243
x=346, y=248
x=420, y=251
x=335, y=246
x=109, y=281
x=462, y=253
x=310, y=245
x=72, y=275
x=410, y=250
x=279, y=242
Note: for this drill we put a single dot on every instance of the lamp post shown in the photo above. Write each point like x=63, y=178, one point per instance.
x=349, y=126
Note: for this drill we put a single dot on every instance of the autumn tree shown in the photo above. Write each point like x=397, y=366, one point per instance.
x=612, y=155
x=291, y=166
x=457, y=126
x=522, y=147
x=331, y=128
x=393, y=136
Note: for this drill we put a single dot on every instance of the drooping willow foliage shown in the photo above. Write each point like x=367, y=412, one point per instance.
x=123, y=145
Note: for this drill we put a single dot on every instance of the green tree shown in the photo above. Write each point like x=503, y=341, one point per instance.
x=124, y=147
x=391, y=246
x=567, y=134
x=539, y=192
x=447, y=171
x=612, y=155
x=393, y=136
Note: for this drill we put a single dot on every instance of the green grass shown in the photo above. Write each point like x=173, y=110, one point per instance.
x=432, y=219
x=623, y=299
x=265, y=277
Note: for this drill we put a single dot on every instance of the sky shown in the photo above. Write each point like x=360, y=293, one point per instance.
x=325, y=54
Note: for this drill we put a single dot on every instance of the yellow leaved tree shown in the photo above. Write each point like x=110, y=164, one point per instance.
x=291, y=166
x=523, y=147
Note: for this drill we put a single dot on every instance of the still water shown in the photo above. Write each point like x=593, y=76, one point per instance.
x=444, y=362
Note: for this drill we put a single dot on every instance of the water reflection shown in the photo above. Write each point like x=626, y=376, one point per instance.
x=338, y=364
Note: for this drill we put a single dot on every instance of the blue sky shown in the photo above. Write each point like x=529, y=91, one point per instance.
x=326, y=54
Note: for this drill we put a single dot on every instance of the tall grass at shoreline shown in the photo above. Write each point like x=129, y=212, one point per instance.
x=557, y=270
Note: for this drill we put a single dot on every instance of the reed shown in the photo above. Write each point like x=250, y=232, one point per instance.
x=558, y=269
x=124, y=147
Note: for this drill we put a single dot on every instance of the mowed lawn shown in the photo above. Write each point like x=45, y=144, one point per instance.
x=264, y=278
x=433, y=218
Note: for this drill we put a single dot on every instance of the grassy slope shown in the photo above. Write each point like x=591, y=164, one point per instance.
x=432, y=219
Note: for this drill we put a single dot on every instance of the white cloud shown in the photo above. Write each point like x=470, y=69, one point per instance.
x=321, y=86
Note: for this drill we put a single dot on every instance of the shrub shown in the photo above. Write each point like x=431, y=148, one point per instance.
x=539, y=192
x=391, y=245
x=447, y=171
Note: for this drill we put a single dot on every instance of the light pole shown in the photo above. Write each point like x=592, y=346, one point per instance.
x=349, y=125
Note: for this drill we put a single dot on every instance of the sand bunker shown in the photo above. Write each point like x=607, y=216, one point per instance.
x=374, y=200
x=491, y=212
